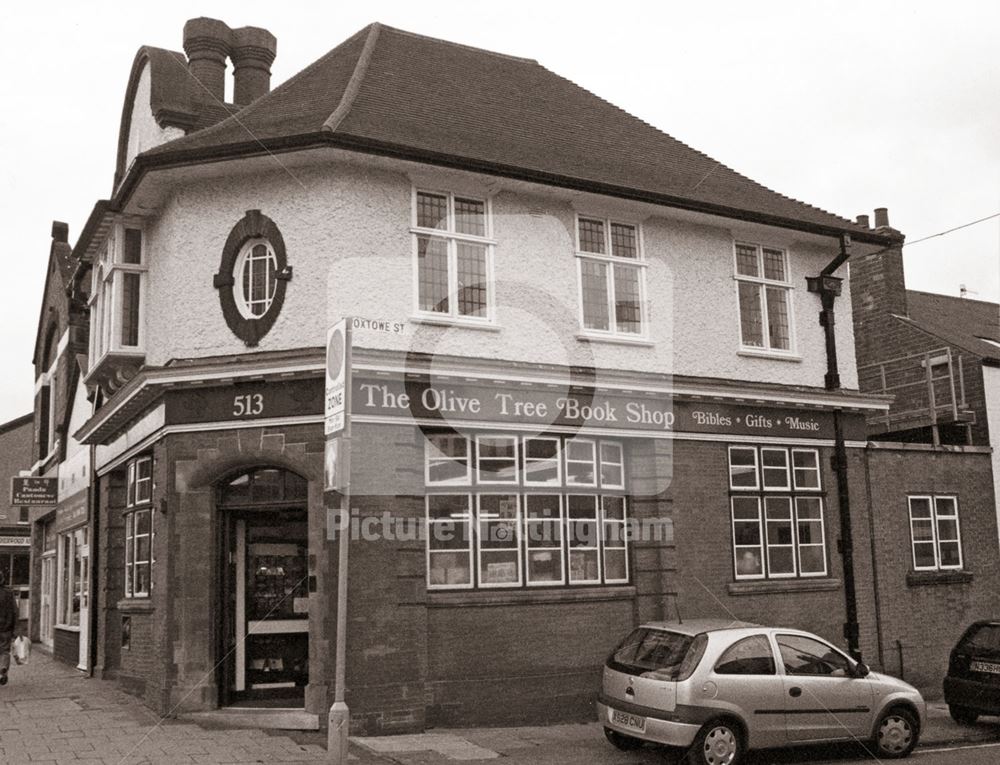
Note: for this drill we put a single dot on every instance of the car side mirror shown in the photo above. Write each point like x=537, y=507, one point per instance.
x=861, y=670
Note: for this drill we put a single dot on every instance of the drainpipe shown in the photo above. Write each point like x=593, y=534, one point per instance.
x=828, y=287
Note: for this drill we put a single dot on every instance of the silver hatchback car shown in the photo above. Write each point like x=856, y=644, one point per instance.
x=720, y=689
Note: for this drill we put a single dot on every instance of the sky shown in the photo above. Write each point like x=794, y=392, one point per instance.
x=845, y=105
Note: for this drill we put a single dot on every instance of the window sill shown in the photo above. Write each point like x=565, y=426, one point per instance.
x=926, y=578
x=66, y=628
x=765, y=354
x=445, y=321
x=528, y=596
x=777, y=586
x=136, y=605
x=587, y=337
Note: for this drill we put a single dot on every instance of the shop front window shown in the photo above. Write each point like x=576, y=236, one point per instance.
x=74, y=572
x=507, y=511
x=139, y=528
x=776, y=512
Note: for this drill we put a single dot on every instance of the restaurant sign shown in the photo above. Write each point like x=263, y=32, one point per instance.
x=29, y=491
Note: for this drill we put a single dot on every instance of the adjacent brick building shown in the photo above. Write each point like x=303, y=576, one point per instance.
x=563, y=328
x=15, y=539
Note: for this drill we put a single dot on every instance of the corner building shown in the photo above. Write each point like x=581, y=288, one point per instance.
x=555, y=342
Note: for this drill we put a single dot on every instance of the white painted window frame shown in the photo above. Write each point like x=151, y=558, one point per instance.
x=764, y=283
x=611, y=260
x=452, y=237
x=932, y=500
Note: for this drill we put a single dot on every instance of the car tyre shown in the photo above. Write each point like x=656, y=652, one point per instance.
x=963, y=715
x=896, y=733
x=720, y=742
x=621, y=741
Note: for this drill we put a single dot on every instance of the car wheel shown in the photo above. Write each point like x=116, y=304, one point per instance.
x=963, y=715
x=896, y=734
x=621, y=741
x=718, y=743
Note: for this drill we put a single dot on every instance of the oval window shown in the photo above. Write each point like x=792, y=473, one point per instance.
x=254, y=283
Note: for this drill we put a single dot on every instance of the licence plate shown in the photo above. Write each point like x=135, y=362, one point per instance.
x=626, y=720
x=985, y=666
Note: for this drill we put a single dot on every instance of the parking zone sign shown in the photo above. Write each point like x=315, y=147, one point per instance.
x=338, y=374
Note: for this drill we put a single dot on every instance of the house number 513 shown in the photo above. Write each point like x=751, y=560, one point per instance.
x=249, y=405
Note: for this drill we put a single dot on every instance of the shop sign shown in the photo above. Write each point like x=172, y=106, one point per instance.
x=244, y=401
x=27, y=491
x=15, y=541
x=589, y=408
x=72, y=512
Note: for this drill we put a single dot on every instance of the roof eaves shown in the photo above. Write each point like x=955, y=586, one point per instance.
x=201, y=155
x=922, y=326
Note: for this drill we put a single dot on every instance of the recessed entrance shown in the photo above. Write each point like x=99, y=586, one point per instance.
x=265, y=589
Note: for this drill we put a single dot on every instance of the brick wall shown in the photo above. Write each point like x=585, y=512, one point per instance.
x=926, y=614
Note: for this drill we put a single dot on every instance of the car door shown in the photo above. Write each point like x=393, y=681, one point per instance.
x=746, y=674
x=824, y=700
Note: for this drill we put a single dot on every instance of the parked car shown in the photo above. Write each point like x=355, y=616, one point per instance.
x=972, y=686
x=721, y=688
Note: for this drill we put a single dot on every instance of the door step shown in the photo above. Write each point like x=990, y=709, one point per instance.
x=256, y=717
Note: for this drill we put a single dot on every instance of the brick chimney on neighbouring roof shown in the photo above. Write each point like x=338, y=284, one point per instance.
x=253, y=53
x=60, y=231
x=878, y=291
x=207, y=43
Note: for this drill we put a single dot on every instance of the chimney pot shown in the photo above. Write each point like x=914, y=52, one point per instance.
x=253, y=53
x=207, y=43
x=881, y=217
x=60, y=231
x=862, y=220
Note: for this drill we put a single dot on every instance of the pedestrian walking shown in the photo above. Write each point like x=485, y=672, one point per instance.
x=8, y=623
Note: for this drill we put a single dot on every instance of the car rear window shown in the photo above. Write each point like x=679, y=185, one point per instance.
x=983, y=639
x=658, y=651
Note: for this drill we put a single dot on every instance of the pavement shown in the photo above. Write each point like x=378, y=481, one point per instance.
x=52, y=713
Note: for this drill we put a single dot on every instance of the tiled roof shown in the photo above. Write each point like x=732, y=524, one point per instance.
x=958, y=321
x=387, y=87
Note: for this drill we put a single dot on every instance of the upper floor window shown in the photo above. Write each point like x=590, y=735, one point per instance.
x=255, y=281
x=612, y=276
x=764, y=292
x=454, y=256
x=777, y=513
x=253, y=277
x=116, y=296
x=934, y=533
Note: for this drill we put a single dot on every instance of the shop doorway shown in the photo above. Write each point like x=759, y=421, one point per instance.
x=265, y=594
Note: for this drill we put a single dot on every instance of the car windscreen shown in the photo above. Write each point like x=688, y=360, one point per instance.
x=657, y=651
x=981, y=640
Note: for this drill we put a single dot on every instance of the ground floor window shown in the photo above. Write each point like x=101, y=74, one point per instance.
x=532, y=511
x=934, y=533
x=777, y=517
x=138, y=552
x=73, y=575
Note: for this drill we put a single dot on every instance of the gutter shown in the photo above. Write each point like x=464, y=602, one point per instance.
x=829, y=287
x=158, y=160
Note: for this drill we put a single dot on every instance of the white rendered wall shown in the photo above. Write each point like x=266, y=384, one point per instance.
x=346, y=231
x=143, y=131
x=991, y=389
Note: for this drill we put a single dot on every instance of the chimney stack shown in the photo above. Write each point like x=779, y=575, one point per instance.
x=881, y=217
x=862, y=220
x=207, y=43
x=60, y=231
x=253, y=53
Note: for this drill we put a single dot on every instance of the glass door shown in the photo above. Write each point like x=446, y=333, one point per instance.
x=271, y=606
x=47, y=597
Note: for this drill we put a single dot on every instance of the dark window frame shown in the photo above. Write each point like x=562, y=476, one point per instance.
x=253, y=225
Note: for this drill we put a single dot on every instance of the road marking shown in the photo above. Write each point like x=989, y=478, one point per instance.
x=956, y=748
